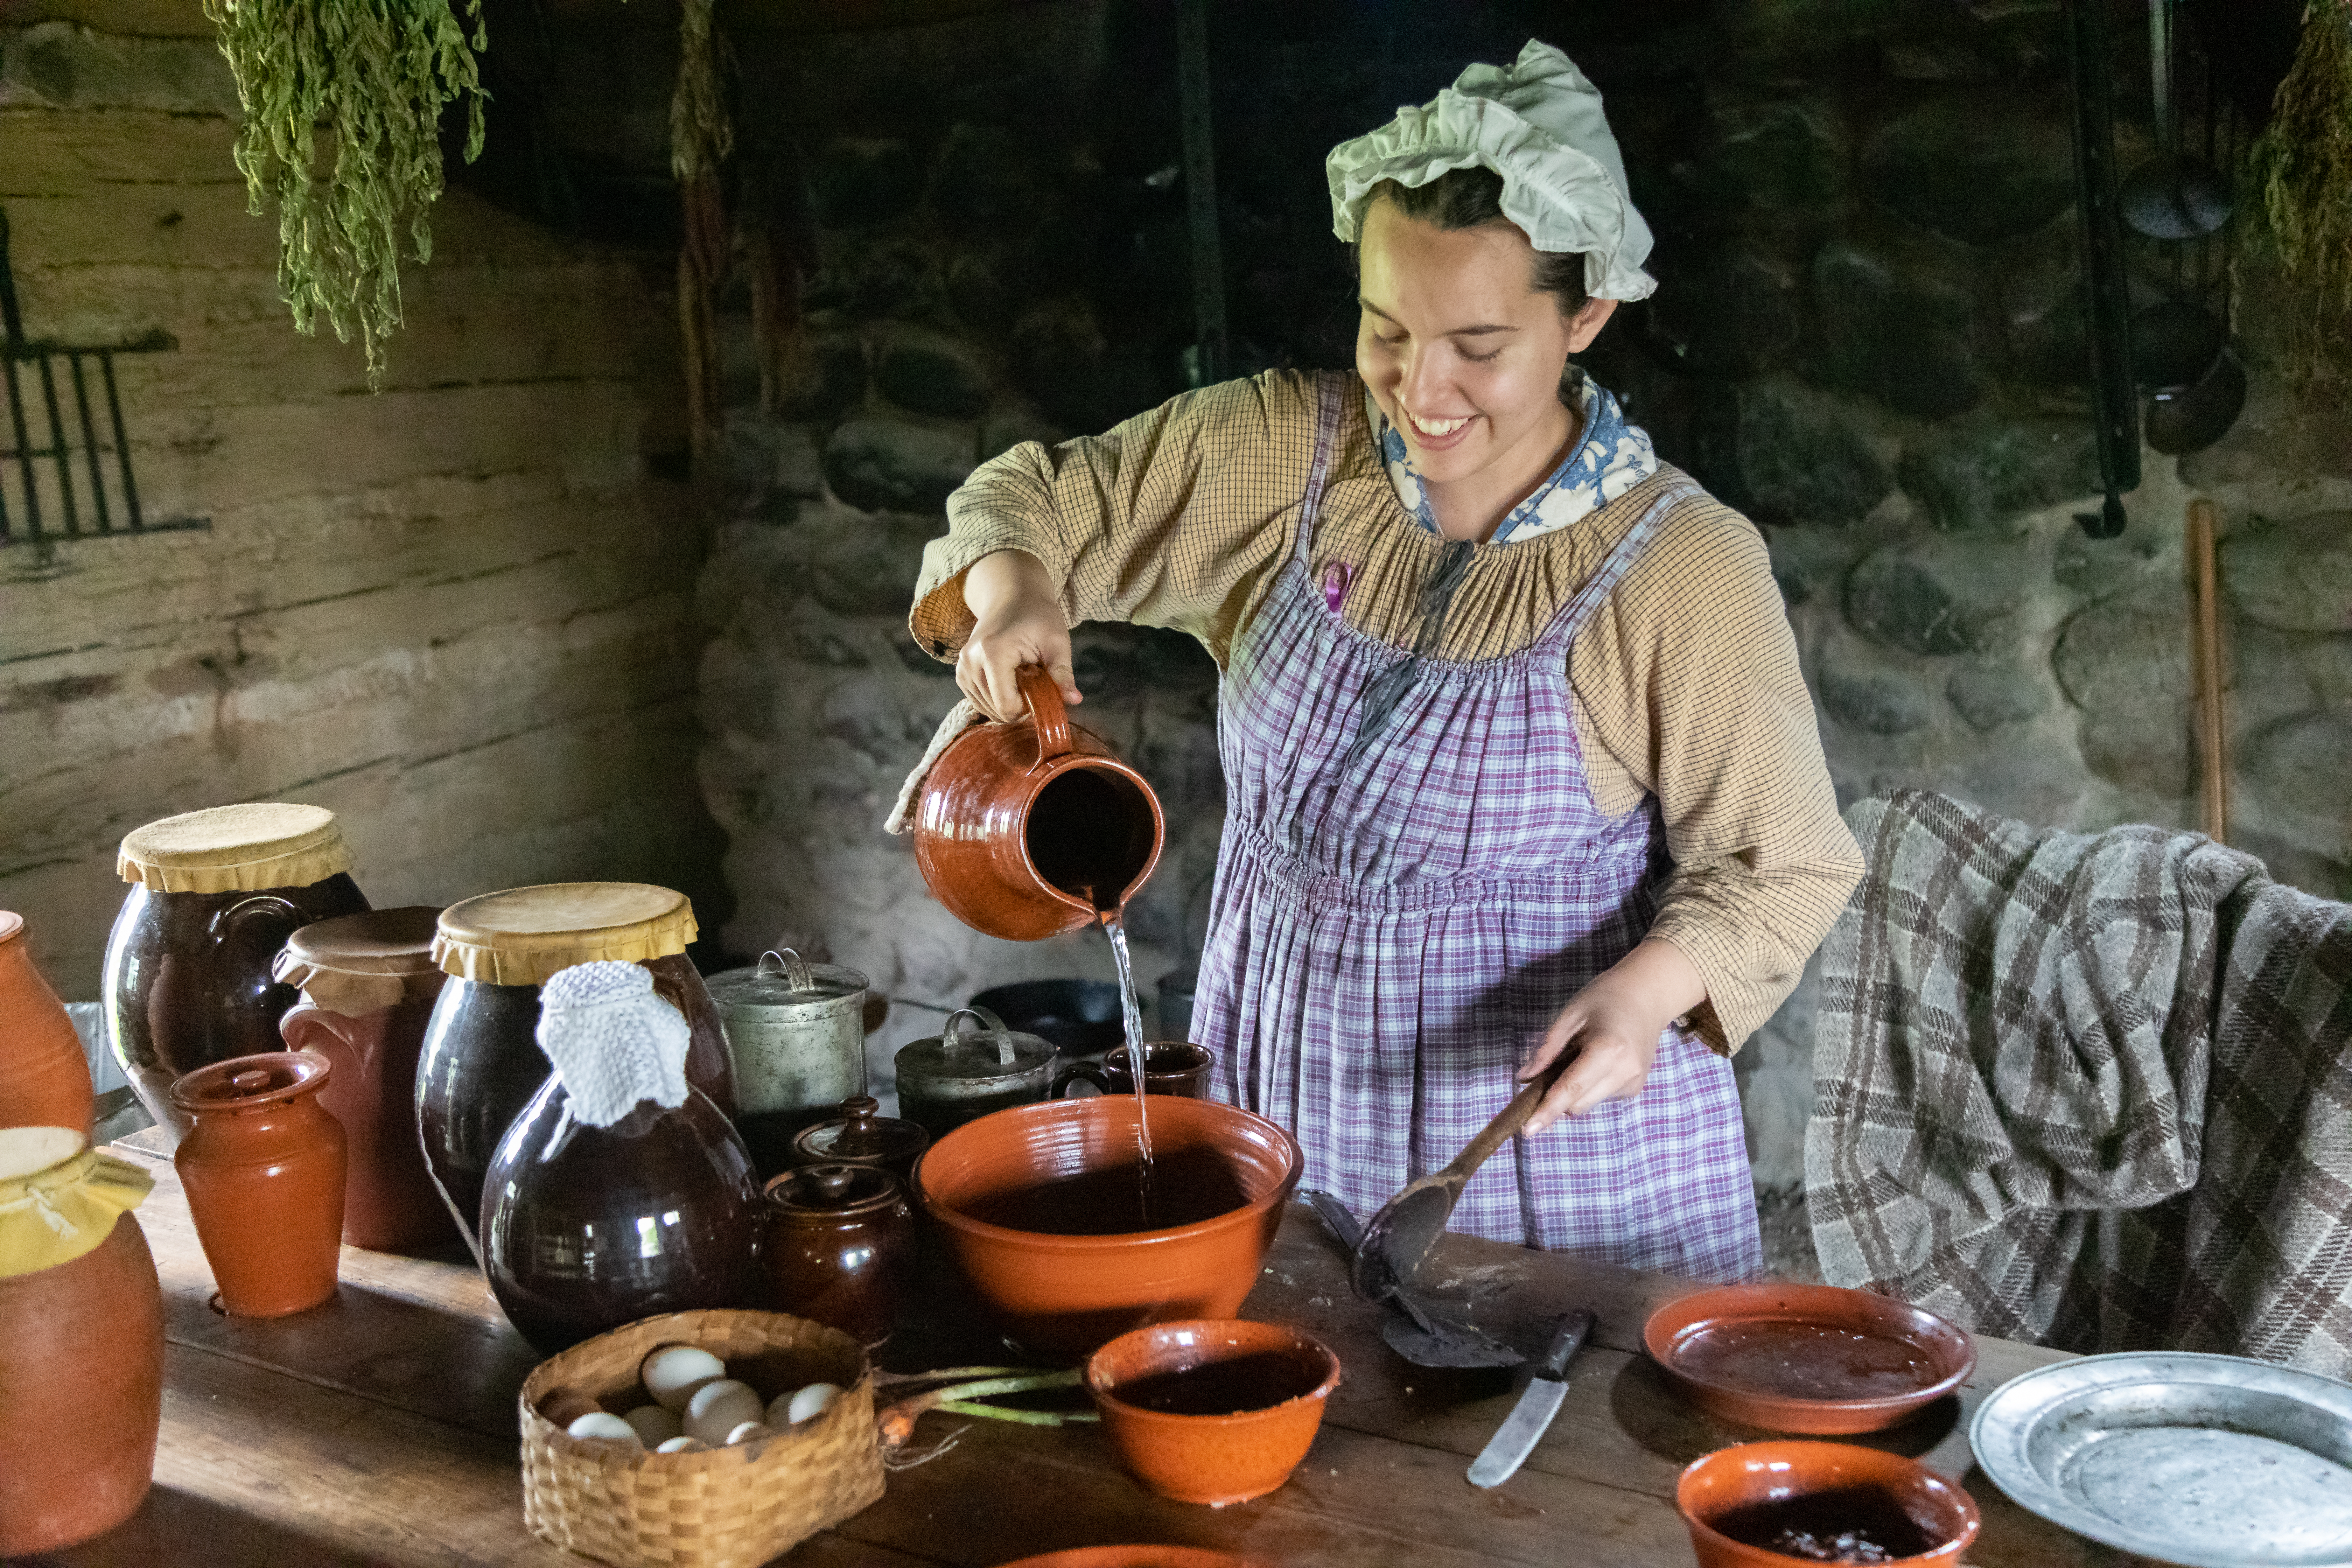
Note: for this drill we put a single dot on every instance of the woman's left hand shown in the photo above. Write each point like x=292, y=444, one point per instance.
x=1611, y=1031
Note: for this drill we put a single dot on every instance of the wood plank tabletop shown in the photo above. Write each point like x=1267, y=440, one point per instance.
x=380, y=1428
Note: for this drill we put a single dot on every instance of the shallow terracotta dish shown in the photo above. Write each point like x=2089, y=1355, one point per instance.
x=1139, y=1557
x=1212, y=1410
x=1816, y=1359
x=1040, y=1207
x=1737, y=1500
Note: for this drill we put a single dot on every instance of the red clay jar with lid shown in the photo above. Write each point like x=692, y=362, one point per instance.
x=215, y=895
x=44, y=1076
x=263, y=1166
x=368, y=983
x=840, y=1247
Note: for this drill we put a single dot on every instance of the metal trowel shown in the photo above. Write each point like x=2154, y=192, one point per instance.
x=1416, y=1331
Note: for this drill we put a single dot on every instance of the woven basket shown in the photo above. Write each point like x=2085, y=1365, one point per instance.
x=723, y=1508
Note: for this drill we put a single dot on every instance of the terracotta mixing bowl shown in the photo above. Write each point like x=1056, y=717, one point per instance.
x=1139, y=1557
x=1039, y=1206
x=1215, y=1411
x=1735, y=1499
x=1817, y=1359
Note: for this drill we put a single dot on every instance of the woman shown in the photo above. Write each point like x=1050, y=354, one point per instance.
x=1519, y=759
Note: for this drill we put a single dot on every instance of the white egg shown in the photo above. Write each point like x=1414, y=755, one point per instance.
x=604, y=1424
x=813, y=1400
x=672, y=1373
x=684, y=1446
x=718, y=1408
x=748, y=1430
x=653, y=1425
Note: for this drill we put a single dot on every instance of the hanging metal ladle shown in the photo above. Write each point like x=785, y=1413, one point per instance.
x=2175, y=195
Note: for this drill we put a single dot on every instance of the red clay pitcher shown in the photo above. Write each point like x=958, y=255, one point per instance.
x=44, y=1076
x=1033, y=829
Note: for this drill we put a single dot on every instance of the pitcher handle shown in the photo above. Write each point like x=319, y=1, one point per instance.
x=1077, y=1072
x=1045, y=706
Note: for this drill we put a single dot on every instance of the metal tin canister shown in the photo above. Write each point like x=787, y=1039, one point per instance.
x=957, y=1076
x=797, y=1032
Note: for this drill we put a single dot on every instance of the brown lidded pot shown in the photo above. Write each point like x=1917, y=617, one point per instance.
x=481, y=1063
x=1033, y=829
x=263, y=1166
x=840, y=1247
x=861, y=1135
x=215, y=894
x=959, y=1076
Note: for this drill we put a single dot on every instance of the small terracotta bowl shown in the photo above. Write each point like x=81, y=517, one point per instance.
x=1735, y=1499
x=1215, y=1410
x=1139, y=1557
x=1816, y=1359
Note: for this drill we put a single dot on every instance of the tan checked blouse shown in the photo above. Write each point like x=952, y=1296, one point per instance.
x=1686, y=682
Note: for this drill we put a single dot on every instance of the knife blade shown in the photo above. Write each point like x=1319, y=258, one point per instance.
x=1516, y=1439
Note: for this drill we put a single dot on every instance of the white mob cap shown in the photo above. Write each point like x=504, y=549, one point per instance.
x=1537, y=123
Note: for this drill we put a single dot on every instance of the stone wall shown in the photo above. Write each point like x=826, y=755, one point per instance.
x=455, y=611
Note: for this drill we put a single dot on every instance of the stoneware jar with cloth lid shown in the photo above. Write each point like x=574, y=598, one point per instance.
x=481, y=1062
x=215, y=894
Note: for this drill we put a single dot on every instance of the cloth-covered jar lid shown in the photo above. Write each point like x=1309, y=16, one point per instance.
x=235, y=850
x=522, y=936
x=992, y=1051
x=59, y=1197
x=360, y=963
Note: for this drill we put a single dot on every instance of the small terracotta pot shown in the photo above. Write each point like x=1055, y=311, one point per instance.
x=44, y=1076
x=1735, y=1498
x=1212, y=1410
x=1169, y=1066
x=840, y=1247
x=1817, y=1359
x=264, y=1169
x=1034, y=1205
x=1015, y=820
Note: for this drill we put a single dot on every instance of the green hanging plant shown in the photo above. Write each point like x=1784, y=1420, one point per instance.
x=2301, y=163
x=369, y=79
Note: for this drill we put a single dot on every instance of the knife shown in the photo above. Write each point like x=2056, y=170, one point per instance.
x=1516, y=1439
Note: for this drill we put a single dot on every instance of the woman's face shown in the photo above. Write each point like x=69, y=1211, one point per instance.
x=1461, y=351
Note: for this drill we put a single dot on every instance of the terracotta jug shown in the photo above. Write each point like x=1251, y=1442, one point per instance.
x=215, y=894
x=368, y=985
x=81, y=1320
x=263, y=1166
x=1030, y=830
x=840, y=1247
x=481, y=1063
x=44, y=1076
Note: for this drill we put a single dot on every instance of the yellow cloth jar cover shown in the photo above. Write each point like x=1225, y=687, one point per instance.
x=236, y=848
x=59, y=1197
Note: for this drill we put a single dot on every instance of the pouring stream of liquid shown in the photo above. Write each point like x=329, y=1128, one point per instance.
x=1131, y=1015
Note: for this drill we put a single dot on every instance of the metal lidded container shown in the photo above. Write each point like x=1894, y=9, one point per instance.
x=957, y=1076
x=797, y=1032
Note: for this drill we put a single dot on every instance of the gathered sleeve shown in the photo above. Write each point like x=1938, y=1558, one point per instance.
x=1689, y=679
x=1176, y=518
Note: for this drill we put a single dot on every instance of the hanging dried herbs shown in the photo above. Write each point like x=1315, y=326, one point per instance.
x=342, y=105
x=2302, y=165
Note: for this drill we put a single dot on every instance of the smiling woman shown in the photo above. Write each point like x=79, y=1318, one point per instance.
x=1522, y=780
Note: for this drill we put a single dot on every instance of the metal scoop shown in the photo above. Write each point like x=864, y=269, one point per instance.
x=1415, y=1331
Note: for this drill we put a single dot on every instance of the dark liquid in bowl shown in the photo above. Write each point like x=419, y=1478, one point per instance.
x=1189, y=1185
x=1258, y=1381
x=1845, y=1524
x=1797, y=1359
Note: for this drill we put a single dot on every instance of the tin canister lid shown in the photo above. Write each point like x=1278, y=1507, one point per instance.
x=236, y=848
x=990, y=1051
x=782, y=979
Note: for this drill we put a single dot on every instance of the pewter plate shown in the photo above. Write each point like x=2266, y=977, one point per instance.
x=2211, y=1461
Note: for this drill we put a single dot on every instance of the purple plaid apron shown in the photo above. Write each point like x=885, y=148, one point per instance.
x=1391, y=934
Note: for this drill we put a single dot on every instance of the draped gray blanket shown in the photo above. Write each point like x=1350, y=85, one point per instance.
x=2089, y=1090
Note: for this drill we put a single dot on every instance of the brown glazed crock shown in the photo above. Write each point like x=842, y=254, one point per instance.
x=1065, y=1294
x=840, y=1247
x=263, y=1167
x=368, y=987
x=44, y=1076
x=1751, y=1473
x=215, y=895
x=862, y=1136
x=1225, y=1457
x=1014, y=819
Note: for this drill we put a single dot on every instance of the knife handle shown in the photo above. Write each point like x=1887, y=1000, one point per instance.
x=1566, y=1341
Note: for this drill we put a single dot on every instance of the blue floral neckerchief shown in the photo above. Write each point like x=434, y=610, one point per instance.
x=1611, y=458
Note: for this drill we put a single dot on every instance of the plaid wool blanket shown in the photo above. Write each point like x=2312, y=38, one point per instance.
x=2092, y=1091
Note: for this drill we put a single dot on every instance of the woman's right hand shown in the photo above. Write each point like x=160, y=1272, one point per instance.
x=1016, y=619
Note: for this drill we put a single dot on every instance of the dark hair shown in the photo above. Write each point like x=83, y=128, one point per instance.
x=1472, y=197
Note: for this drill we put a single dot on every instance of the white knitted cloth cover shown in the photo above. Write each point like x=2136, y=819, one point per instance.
x=613, y=1041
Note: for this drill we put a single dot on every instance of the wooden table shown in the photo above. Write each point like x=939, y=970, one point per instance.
x=381, y=1428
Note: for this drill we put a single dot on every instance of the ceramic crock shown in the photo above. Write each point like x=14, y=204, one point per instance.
x=1033, y=828
x=796, y=1033
x=481, y=1063
x=81, y=1342
x=840, y=1247
x=1169, y=1066
x=368, y=985
x=44, y=1076
x=958, y=1075
x=861, y=1135
x=263, y=1167
x=215, y=895
x=586, y=1228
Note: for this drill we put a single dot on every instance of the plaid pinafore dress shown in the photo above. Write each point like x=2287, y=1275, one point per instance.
x=1395, y=924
